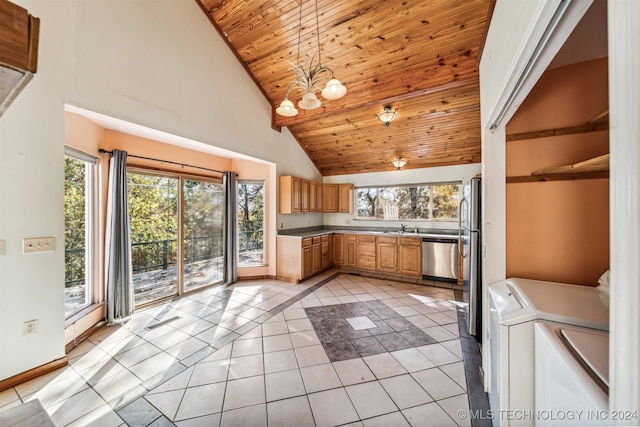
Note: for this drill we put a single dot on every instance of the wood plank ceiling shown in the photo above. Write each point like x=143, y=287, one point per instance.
x=419, y=56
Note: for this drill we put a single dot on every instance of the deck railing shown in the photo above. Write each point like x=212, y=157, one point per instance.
x=162, y=254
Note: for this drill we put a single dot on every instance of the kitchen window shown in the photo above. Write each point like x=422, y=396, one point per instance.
x=420, y=202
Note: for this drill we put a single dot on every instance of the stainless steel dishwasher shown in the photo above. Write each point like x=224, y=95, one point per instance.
x=440, y=258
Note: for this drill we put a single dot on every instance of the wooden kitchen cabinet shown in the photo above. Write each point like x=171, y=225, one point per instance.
x=345, y=199
x=319, y=200
x=351, y=250
x=338, y=249
x=330, y=198
x=410, y=256
x=307, y=258
x=313, y=188
x=366, y=252
x=387, y=254
x=300, y=258
x=325, y=252
x=290, y=193
x=316, y=255
x=304, y=195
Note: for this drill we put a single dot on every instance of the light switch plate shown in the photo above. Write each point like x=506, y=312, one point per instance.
x=38, y=244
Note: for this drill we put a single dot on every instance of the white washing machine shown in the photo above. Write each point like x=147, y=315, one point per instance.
x=515, y=305
x=571, y=376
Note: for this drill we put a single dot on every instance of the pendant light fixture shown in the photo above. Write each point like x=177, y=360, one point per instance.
x=387, y=115
x=310, y=76
x=399, y=162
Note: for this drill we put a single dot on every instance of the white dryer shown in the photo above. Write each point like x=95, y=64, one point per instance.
x=571, y=376
x=515, y=305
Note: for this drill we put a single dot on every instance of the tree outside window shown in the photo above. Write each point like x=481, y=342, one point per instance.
x=411, y=202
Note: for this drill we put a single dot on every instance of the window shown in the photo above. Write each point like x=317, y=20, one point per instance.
x=79, y=230
x=250, y=223
x=424, y=202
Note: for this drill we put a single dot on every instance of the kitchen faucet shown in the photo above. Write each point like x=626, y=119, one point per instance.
x=402, y=227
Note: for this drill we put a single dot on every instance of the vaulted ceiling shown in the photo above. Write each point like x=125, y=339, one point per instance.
x=419, y=56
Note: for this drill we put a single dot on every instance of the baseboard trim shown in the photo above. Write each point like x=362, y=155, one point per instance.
x=83, y=336
x=33, y=373
x=259, y=277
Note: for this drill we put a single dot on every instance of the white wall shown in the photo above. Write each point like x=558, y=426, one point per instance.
x=407, y=176
x=157, y=63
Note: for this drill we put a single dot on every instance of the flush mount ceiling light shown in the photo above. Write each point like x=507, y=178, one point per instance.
x=387, y=116
x=399, y=162
x=310, y=76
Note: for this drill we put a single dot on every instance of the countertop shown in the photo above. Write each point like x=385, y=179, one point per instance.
x=321, y=232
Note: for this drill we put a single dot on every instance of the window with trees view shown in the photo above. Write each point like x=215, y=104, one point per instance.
x=250, y=223
x=79, y=230
x=417, y=202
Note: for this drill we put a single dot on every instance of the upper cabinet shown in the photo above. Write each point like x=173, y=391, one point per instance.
x=19, y=32
x=303, y=196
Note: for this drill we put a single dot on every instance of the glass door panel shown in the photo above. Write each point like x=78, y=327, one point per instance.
x=153, y=210
x=203, y=218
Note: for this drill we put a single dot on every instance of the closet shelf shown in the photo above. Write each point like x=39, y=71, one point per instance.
x=595, y=168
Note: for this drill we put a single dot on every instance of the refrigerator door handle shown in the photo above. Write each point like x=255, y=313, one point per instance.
x=460, y=213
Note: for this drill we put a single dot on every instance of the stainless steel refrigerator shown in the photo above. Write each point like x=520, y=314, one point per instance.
x=470, y=240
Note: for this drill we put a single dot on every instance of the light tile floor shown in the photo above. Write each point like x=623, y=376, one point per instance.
x=248, y=355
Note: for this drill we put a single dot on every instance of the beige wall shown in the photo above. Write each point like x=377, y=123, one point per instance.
x=559, y=230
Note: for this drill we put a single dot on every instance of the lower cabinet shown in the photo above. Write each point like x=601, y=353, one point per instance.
x=387, y=250
x=351, y=250
x=298, y=259
x=338, y=249
x=410, y=256
x=366, y=252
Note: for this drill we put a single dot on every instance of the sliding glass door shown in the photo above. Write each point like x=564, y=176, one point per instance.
x=153, y=210
x=203, y=214
x=165, y=209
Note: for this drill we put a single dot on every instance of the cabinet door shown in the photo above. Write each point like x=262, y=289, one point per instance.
x=351, y=250
x=312, y=196
x=330, y=197
x=367, y=252
x=307, y=262
x=304, y=195
x=295, y=195
x=344, y=198
x=317, y=257
x=319, y=197
x=387, y=254
x=326, y=252
x=338, y=249
x=410, y=257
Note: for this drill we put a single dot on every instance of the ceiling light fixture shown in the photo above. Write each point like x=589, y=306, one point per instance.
x=399, y=162
x=310, y=77
x=387, y=116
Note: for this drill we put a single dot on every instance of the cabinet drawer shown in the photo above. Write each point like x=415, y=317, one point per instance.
x=367, y=239
x=325, y=238
x=306, y=242
x=414, y=241
x=388, y=240
x=317, y=240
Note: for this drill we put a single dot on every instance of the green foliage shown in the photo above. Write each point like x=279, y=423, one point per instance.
x=420, y=202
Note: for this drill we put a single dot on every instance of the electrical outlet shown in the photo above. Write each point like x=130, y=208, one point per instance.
x=281, y=225
x=30, y=327
x=3, y=248
x=37, y=244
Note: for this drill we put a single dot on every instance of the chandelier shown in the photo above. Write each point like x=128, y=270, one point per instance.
x=310, y=76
